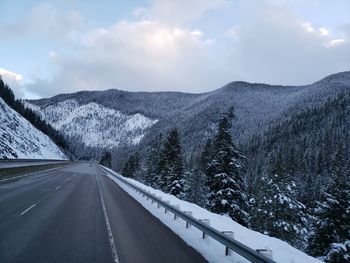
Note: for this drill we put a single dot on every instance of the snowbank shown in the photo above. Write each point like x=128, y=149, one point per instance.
x=209, y=248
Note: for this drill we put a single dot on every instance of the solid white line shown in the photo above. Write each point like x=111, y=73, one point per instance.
x=25, y=211
x=58, y=187
x=108, y=226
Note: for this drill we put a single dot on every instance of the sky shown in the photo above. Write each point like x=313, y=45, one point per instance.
x=64, y=46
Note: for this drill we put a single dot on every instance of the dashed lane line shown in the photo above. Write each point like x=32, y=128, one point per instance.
x=25, y=211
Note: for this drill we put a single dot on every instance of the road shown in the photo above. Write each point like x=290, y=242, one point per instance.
x=76, y=214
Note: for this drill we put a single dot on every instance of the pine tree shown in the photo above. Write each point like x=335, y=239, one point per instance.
x=206, y=156
x=196, y=189
x=152, y=163
x=170, y=166
x=277, y=213
x=106, y=159
x=225, y=175
x=132, y=166
x=333, y=216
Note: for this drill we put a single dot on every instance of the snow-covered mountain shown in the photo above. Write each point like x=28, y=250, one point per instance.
x=20, y=139
x=94, y=124
x=104, y=118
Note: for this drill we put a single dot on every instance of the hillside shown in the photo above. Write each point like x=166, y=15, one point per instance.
x=258, y=107
x=19, y=139
x=94, y=124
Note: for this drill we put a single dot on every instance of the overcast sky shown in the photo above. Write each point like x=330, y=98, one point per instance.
x=62, y=46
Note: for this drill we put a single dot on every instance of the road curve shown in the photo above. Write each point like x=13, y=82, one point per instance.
x=76, y=214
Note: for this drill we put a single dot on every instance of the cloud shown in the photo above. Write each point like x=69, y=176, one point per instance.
x=13, y=80
x=160, y=49
x=45, y=20
x=9, y=75
x=276, y=46
x=133, y=55
x=182, y=11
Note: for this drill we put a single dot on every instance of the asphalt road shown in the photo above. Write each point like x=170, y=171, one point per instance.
x=76, y=214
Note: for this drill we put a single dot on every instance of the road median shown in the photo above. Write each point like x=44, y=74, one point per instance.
x=10, y=173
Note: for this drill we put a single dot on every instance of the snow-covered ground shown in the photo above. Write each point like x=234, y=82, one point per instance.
x=20, y=139
x=95, y=124
x=209, y=248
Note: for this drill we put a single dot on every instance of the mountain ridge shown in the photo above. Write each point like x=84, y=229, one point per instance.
x=258, y=107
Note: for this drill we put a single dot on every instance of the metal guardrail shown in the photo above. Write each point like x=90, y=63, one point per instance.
x=234, y=245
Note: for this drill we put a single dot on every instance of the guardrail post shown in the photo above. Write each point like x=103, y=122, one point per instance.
x=158, y=204
x=207, y=222
x=177, y=207
x=231, y=235
x=189, y=213
x=266, y=252
x=166, y=210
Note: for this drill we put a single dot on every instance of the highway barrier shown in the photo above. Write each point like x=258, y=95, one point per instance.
x=259, y=256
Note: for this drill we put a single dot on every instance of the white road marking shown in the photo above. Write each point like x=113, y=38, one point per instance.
x=108, y=226
x=25, y=211
x=58, y=187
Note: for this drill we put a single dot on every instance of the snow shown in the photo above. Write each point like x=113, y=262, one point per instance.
x=95, y=124
x=209, y=248
x=20, y=139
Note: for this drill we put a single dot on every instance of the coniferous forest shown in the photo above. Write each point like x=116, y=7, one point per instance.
x=291, y=182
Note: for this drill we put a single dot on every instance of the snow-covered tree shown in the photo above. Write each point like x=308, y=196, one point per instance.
x=332, y=227
x=225, y=175
x=171, y=165
x=195, y=188
x=277, y=213
x=152, y=162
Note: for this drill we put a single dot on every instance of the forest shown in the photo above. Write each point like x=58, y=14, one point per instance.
x=291, y=182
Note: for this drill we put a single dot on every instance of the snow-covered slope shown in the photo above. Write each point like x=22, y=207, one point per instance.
x=213, y=251
x=257, y=106
x=95, y=124
x=20, y=139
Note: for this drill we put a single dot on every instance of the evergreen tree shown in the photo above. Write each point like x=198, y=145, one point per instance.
x=333, y=217
x=106, y=159
x=132, y=166
x=206, y=156
x=225, y=175
x=277, y=213
x=170, y=166
x=152, y=163
x=196, y=188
